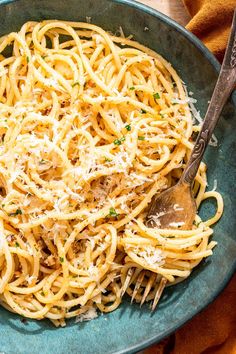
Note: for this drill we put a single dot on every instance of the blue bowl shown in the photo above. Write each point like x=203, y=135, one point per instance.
x=130, y=328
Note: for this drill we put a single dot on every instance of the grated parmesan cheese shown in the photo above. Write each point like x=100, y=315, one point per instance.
x=153, y=256
x=176, y=224
x=187, y=100
x=88, y=19
x=89, y=315
x=156, y=218
x=213, y=141
x=197, y=117
x=93, y=271
x=136, y=180
x=176, y=207
x=30, y=279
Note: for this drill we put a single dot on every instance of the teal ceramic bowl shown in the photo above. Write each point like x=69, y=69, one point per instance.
x=130, y=328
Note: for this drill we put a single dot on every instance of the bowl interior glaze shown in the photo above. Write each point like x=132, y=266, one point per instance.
x=130, y=328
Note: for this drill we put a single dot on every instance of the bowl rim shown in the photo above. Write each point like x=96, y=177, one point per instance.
x=216, y=65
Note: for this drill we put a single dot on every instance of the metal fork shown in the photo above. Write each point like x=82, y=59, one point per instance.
x=144, y=282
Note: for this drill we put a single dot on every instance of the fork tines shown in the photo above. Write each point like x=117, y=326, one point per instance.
x=148, y=287
x=159, y=291
x=127, y=281
x=146, y=284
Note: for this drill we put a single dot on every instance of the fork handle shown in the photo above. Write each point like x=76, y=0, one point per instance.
x=224, y=86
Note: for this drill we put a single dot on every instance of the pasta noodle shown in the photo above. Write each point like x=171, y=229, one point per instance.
x=92, y=126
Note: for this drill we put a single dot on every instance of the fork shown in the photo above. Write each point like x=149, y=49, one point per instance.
x=181, y=193
x=143, y=287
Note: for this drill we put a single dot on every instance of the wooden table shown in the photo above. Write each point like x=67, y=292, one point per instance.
x=172, y=8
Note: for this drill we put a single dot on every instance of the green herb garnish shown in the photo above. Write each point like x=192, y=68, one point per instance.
x=61, y=259
x=132, y=88
x=112, y=212
x=17, y=244
x=196, y=223
x=128, y=127
x=143, y=111
x=156, y=96
x=107, y=159
x=119, y=141
x=75, y=83
x=141, y=137
x=27, y=59
x=17, y=212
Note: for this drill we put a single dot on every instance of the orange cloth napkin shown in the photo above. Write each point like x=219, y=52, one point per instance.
x=212, y=331
x=211, y=22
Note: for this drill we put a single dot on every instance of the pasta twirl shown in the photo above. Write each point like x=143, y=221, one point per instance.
x=92, y=126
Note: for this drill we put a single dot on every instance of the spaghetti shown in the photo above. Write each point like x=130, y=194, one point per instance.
x=92, y=126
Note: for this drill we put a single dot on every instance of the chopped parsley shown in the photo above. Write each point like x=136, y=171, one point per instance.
x=61, y=259
x=196, y=223
x=17, y=212
x=112, y=212
x=107, y=159
x=141, y=137
x=27, y=59
x=156, y=96
x=162, y=115
x=143, y=111
x=42, y=293
x=75, y=83
x=17, y=244
x=119, y=141
x=128, y=127
x=132, y=88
